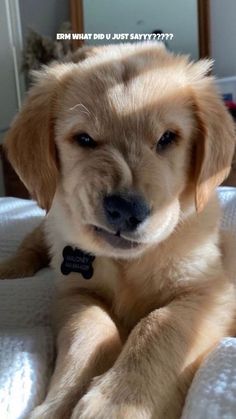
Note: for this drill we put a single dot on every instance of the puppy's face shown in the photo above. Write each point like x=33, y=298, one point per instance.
x=128, y=126
x=123, y=139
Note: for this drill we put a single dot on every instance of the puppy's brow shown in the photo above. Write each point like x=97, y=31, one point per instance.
x=83, y=108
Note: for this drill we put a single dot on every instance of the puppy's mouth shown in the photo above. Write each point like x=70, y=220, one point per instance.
x=115, y=239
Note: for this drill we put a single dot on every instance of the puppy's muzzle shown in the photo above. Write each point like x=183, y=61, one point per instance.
x=125, y=213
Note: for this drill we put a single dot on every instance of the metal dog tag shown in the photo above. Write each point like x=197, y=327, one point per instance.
x=76, y=260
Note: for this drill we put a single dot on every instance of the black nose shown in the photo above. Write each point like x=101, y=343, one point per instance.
x=125, y=213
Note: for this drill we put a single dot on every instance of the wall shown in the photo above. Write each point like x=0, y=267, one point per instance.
x=223, y=36
x=44, y=16
x=114, y=16
x=10, y=85
x=2, y=192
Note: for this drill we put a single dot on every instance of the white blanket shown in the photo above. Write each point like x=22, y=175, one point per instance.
x=26, y=341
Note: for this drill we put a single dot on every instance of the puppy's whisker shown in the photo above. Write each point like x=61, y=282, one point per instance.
x=82, y=108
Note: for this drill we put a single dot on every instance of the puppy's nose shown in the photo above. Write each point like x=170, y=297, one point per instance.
x=125, y=213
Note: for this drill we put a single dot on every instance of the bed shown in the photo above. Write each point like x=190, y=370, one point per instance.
x=26, y=339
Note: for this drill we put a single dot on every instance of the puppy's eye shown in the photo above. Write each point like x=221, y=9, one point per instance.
x=166, y=140
x=84, y=140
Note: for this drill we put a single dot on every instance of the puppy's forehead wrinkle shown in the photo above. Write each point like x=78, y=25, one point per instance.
x=121, y=60
x=124, y=62
x=144, y=93
x=111, y=67
x=119, y=98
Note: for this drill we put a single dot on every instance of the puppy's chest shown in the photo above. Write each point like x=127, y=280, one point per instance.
x=138, y=292
x=131, y=290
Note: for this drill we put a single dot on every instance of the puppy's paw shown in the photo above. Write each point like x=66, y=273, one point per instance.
x=94, y=406
x=43, y=411
x=13, y=268
x=49, y=410
x=8, y=270
x=102, y=402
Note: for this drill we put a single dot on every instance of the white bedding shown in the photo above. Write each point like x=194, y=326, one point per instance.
x=26, y=341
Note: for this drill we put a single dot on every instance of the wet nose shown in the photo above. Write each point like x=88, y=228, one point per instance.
x=125, y=213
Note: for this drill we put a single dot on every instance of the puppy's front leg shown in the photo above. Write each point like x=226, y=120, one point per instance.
x=32, y=255
x=88, y=344
x=155, y=368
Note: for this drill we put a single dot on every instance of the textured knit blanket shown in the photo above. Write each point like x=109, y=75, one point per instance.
x=26, y=340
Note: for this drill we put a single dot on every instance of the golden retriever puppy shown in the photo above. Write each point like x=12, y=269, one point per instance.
x=125, y=149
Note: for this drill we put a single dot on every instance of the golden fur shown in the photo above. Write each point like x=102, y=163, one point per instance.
x=130, y=339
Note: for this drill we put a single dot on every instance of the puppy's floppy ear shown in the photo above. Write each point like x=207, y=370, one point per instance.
x=215, y=139
x=30, y=141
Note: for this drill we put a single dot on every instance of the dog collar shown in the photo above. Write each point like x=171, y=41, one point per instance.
x=76, y=260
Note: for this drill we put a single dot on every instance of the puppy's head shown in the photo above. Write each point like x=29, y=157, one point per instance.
x=117, y=139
